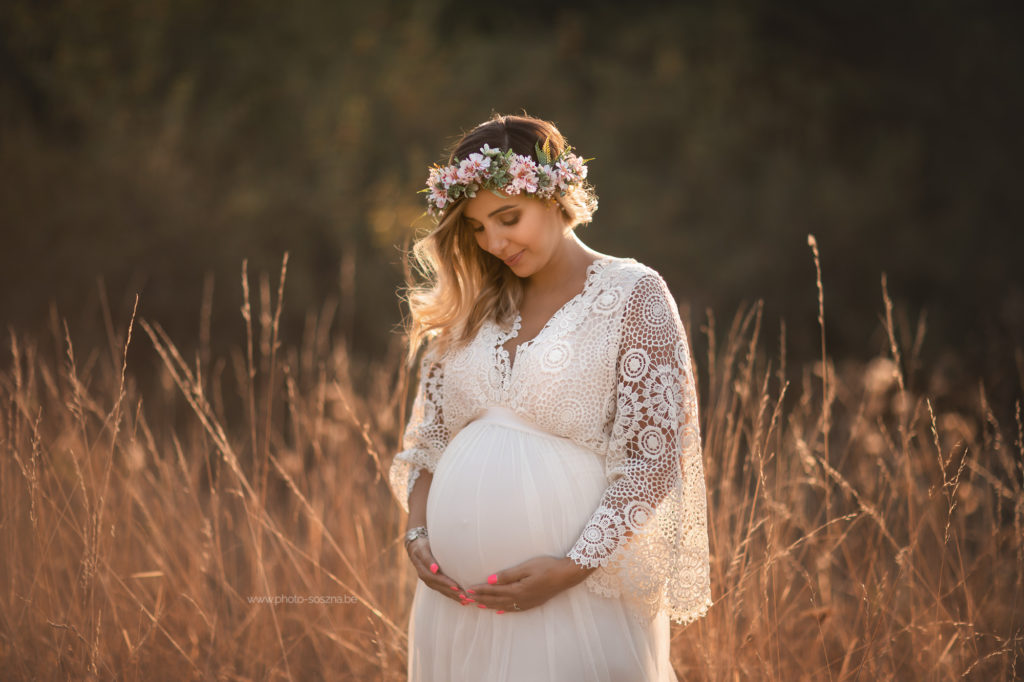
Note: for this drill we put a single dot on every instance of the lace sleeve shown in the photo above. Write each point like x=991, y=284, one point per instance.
x=648, y=537
x=426, y=435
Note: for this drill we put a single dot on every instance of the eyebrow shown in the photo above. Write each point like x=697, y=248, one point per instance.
x=497, y=210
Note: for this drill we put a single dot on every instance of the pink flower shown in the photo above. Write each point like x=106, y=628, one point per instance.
x=523, y=174
x=570, y=171
x=519, y=174
x=449, y=176
x=474, y=168
x=466, y=173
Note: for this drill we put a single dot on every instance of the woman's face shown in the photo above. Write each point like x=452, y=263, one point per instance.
x=522, y=231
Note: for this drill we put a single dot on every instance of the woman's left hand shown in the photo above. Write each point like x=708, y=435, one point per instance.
x=529, y=584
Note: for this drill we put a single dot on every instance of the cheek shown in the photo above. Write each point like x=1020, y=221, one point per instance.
x=553, y=232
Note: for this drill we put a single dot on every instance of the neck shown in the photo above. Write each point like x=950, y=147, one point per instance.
x=567, y=265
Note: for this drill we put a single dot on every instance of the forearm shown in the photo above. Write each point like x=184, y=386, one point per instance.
x=418, y=499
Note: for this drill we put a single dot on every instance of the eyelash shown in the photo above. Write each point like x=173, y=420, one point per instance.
x=509, y=223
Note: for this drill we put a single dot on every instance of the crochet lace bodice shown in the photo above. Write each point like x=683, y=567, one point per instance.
x=611, y=371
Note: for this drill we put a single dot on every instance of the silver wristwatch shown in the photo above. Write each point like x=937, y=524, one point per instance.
x=414, y=533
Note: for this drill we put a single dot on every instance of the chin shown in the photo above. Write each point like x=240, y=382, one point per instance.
x=519, y=271
x=522, y=268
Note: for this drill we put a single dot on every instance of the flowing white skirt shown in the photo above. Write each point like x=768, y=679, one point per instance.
x=503, y=492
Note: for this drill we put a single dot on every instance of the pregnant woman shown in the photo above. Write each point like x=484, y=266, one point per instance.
x=552, y=463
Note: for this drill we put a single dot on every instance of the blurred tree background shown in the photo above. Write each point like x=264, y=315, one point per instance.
x=151, y=147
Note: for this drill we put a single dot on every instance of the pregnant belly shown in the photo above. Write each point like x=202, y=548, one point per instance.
x=504, y=492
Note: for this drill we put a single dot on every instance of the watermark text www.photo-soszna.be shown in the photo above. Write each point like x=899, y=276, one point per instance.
x=302, y=599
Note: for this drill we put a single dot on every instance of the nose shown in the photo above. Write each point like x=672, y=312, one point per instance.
x=494, y=242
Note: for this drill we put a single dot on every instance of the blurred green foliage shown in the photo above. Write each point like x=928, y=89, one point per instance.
x=154, y=143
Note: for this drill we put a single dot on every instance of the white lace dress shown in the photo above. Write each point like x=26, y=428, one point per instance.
x=584, y=444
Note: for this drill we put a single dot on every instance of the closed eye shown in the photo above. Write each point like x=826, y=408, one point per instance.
x=506, y=219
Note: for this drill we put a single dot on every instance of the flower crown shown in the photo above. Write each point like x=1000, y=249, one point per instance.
x=504, y=171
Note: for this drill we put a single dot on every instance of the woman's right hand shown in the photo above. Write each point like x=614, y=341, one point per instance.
x=431, y=574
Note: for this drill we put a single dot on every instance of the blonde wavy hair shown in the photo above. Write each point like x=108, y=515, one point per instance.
x=452, y=285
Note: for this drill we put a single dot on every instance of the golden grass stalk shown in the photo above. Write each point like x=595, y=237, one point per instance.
x=860, y=529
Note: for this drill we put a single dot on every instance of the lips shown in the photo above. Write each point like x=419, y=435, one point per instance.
x=514, y=259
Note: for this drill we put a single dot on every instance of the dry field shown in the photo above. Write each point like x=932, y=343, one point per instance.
x=861, y=527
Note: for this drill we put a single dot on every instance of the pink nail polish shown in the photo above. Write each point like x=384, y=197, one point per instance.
x=471, y=591
x=492, y=579
x=481, y=606
x=433, y=568
x=454, y=587
x=499, y=612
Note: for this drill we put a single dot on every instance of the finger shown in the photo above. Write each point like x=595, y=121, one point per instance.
x=493, y=580
x=444, y=585
x=435, y=577
x=448, y=588
x=495, y=591
x=431, y=574
x=428, y=562
x=511, y=574
x=423, y=559
x=504, y=602
x=497, y=583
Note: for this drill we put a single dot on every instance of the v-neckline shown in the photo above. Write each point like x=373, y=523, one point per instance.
x=510, y=357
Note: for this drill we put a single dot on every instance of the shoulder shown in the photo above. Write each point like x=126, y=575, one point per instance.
x=636, y=278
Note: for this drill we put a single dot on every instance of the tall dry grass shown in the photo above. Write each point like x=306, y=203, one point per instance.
x=858, y=529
